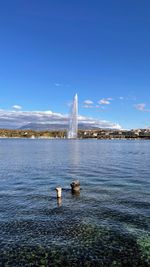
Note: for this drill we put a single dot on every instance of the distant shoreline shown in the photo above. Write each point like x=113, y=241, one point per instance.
x=99, y=134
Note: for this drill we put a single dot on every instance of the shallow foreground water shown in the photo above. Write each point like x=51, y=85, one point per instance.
x=108, y=224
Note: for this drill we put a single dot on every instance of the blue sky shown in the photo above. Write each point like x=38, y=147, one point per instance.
x=50, y=50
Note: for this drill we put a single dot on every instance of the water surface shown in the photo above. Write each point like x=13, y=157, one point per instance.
x=108, y=224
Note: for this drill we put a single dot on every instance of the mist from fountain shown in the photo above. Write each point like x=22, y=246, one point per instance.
x=73, y=120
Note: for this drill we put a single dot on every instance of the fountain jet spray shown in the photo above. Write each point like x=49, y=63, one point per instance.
x=73, y=122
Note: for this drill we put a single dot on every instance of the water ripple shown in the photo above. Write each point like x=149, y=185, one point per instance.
x=107, y=224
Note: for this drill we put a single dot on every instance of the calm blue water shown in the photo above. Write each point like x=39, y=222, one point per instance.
x=108, y=224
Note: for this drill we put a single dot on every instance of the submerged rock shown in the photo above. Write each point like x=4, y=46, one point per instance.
x=75, y=186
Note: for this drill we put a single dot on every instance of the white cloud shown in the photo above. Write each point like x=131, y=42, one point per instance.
x=142, y=107
x=16, y=119
x=16, y=107
x=88, y=104
x=105, y=101
x=98, y=123
x=47, y=112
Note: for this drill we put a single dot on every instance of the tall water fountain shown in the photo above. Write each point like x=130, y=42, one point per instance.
x=73, y=120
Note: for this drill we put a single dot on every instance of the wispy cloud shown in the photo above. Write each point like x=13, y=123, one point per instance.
x=88, y=106
x=88, y=102
x=105, y=101
x=57, y=84
x=142, y=107
x=16, y=119
x=126, y=98
x=100, y=107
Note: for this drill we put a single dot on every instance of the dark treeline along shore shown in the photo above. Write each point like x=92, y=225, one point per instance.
x=82, y=134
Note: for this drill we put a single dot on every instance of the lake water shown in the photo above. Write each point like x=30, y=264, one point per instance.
x=108, y=224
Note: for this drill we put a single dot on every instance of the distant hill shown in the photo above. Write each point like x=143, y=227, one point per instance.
x=43, y=127
x=54, y=127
